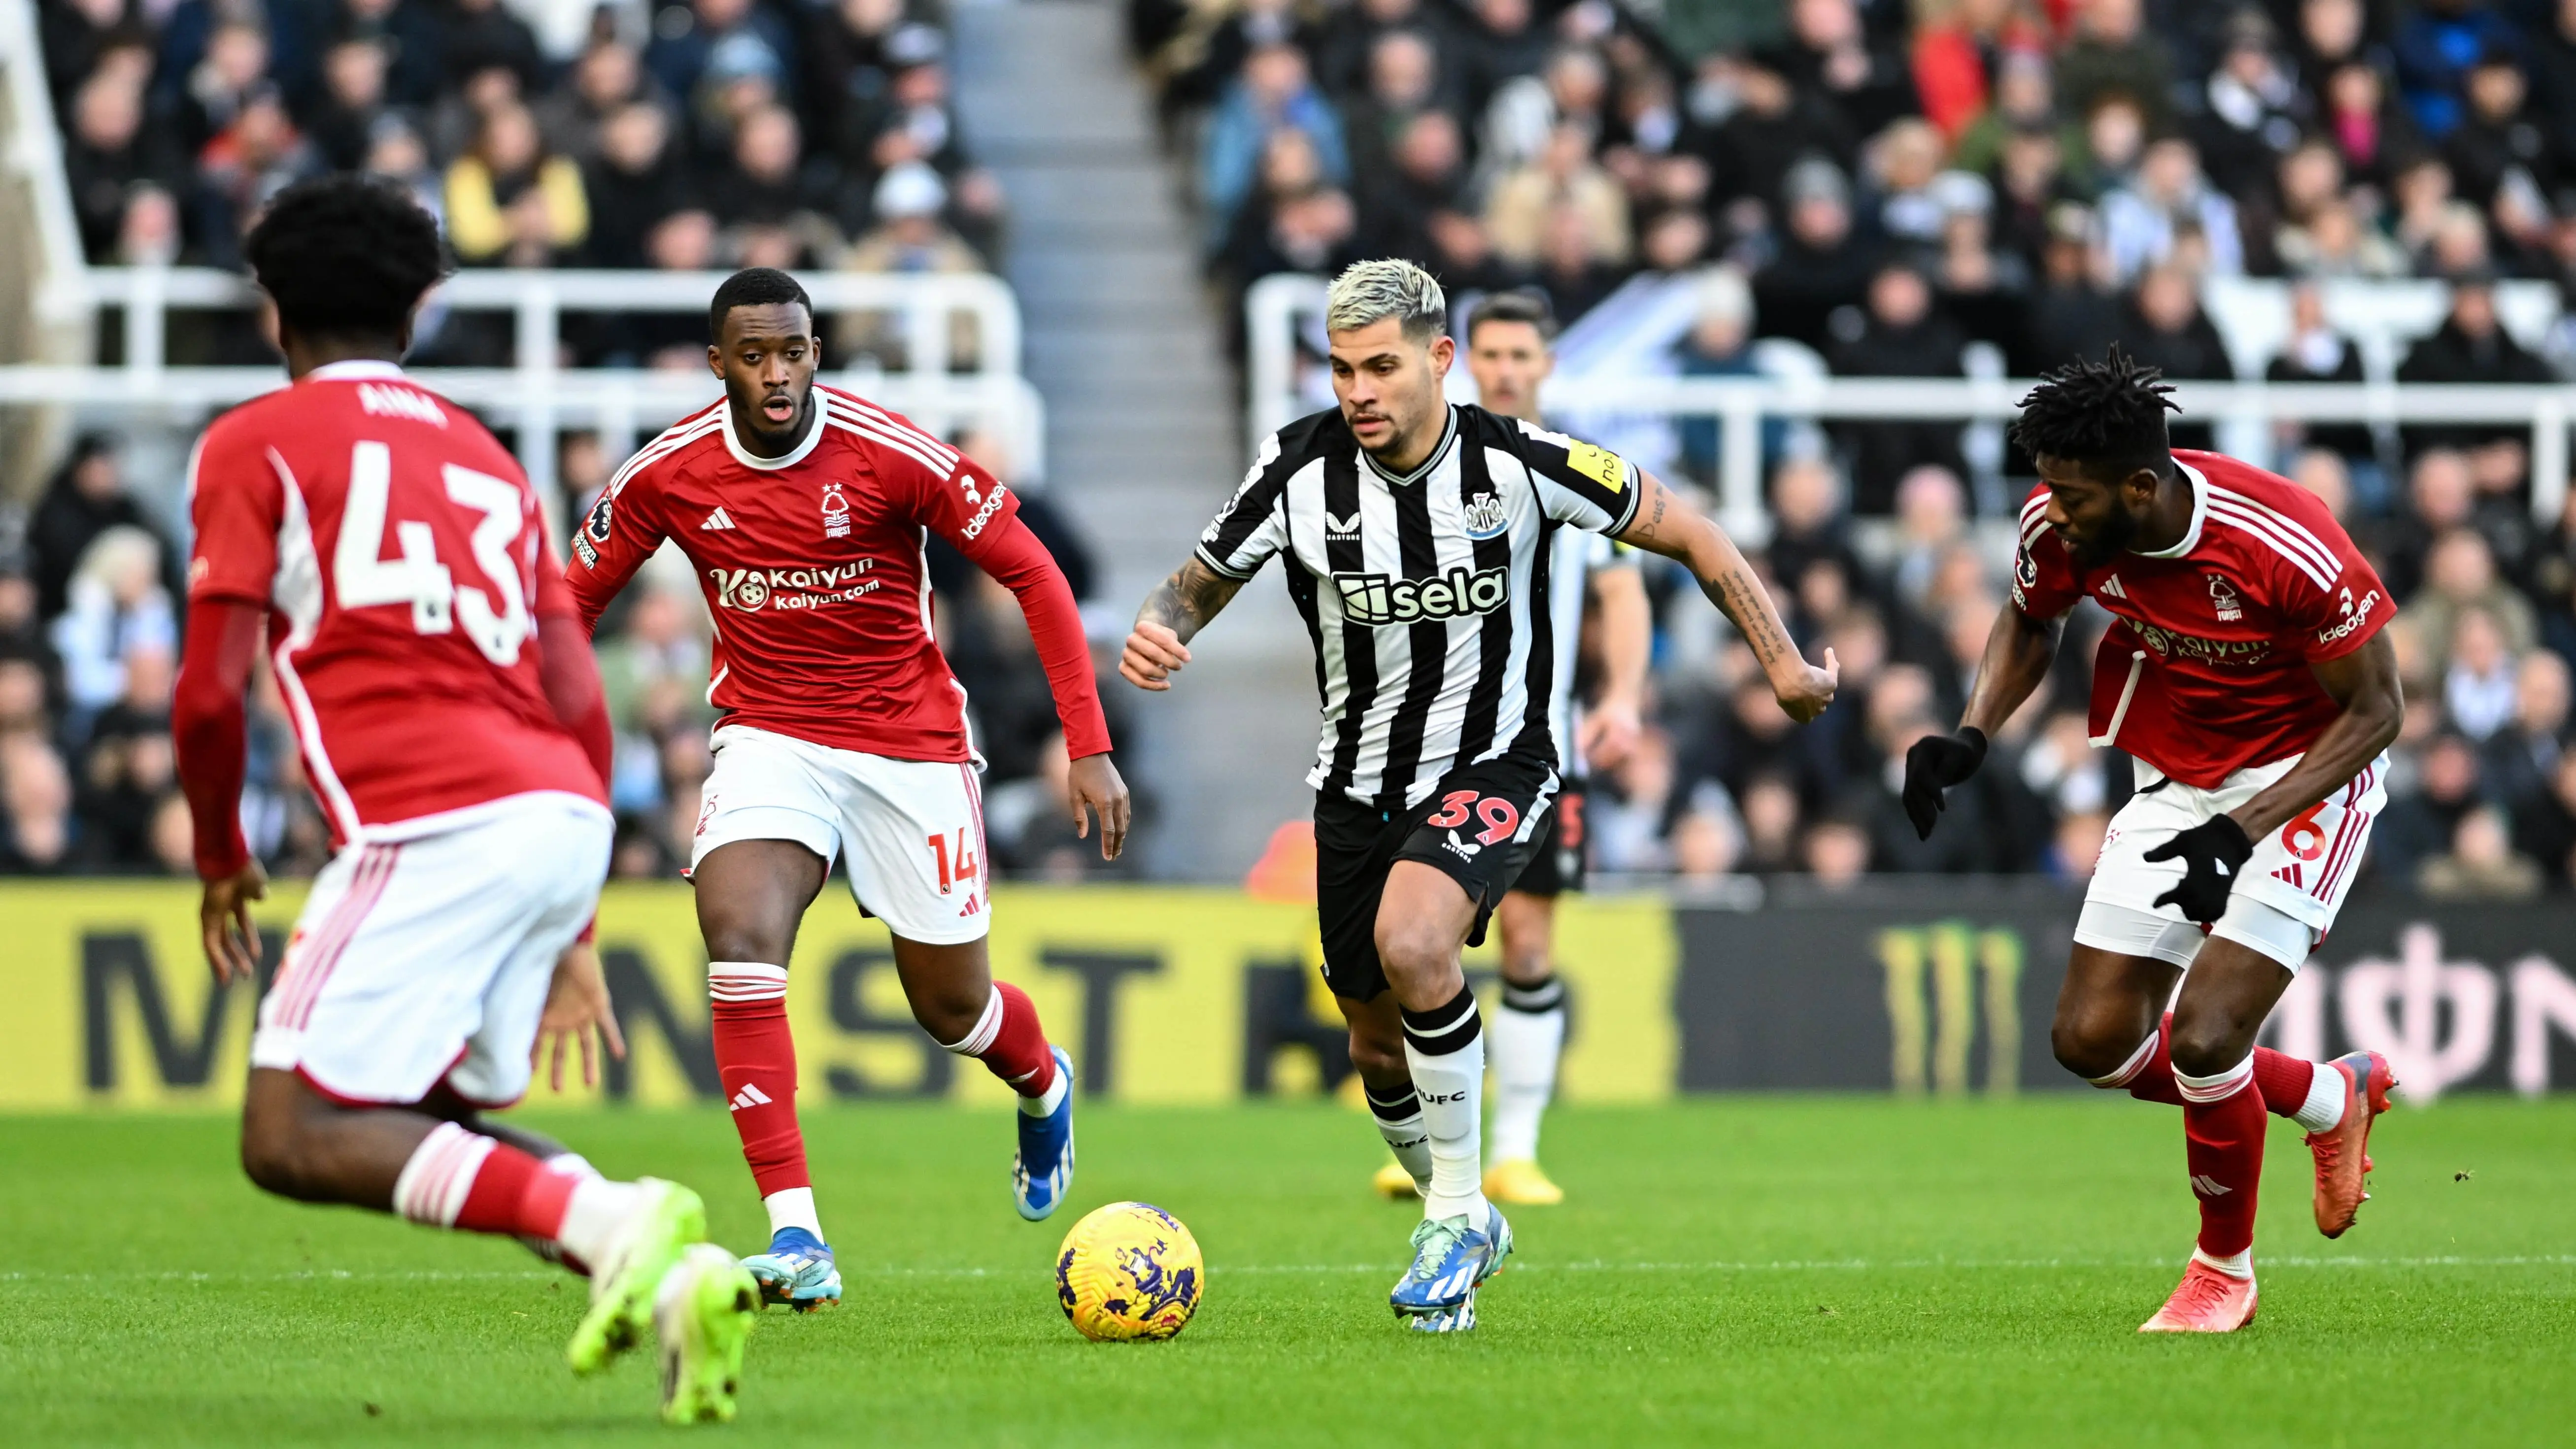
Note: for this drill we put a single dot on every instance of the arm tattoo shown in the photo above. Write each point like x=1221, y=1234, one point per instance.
x=1186, y=601
x=1740, y=599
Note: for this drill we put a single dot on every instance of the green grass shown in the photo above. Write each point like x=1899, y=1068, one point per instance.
x=1751, y=1271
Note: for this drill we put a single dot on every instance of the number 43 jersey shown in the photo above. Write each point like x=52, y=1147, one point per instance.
x=403, y=558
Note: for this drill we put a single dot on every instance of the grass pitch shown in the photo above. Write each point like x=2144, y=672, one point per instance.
x=1749, y=1271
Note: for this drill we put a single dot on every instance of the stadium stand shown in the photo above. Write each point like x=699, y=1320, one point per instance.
x=2295, y=191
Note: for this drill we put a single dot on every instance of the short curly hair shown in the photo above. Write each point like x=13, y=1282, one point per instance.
x=2108, y=416
x=345, y=255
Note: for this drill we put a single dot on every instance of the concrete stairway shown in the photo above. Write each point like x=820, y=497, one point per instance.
x=1143, y=426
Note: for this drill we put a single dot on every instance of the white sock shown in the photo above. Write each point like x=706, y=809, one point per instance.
x=2326, y=1093
x=1045, y=1103
x=1527, y=1035
x=1399, y=1120
x=1445, y=1047
x=793, y=1207
x=2238, y=1265
x=591, y=1220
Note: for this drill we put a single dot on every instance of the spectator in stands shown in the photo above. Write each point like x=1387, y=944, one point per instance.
x=910, y=237
x=1573, y=90
x=1346, y=41
x=1521, y=216
x=634, y=182
x=2116, y=54
x=1426, y=175
x=1502, y=40
x=1903, y=162
x=211, y=94
x=255, y=156
x=509, y=203
x=107, y=156
x=1900, y=335
x=353, y=100
x=2471, y=345
x=2255, y=109
x=86, y=497
x=2316, y=352
x=396, y=152
x=480, y=34
x=687, y=40
x=1404, y=78
x=1820, y=265
x=2480, y=865
x=2478, y=688
x=2170, y=212
x=2523, y=752
x=1959, y=46
x=1772, y=132
x=2025, y=98
x=2369, y=128
x=2166, y=329
x=2545, y=826
x=2438, y=42
x=573, y=118
x=1273, y=93
x=2552, y=53
x=119, y=619
x=777, y=206
x=36, y=805
x=2503, y=159
x=1719, y=344
x=2459, y=576
x=1830, y=56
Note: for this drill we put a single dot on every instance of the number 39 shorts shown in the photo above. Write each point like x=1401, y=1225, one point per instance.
x=912, y=831
x=2287, y=895
x=1480, y=825
x=423, y=958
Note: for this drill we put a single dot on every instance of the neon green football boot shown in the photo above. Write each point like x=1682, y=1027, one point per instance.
x=703, y=1312
x=663, y=1224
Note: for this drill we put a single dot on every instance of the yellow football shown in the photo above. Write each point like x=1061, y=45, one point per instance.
x=1129, y=1271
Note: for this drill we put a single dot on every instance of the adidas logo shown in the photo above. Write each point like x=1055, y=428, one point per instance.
x=751, y=1095
x=2111, y=588
x=2289, y=874
x=2208, y=1186
x=716, y=522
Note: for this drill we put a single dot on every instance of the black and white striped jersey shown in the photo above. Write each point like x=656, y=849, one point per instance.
x=1427, y=594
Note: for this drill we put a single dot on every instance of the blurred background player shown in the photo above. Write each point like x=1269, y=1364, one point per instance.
x=450, y=720
x=2249, y=677
x=1412, y=530
x=803, y=512
x=1510, y=351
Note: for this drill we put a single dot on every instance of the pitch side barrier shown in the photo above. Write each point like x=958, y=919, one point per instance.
x=538, y=398
x=1203, y=996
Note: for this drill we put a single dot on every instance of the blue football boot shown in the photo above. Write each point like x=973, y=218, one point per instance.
x=1450, y=1257
x=797, y=1271
x=1042, y=1170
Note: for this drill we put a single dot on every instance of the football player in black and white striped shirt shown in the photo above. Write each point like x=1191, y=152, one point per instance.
x=1510, y=337
x=1416, y=536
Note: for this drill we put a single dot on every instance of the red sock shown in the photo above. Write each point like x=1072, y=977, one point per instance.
x=756, y=1059
x=2224, y=1148
x=1011, y=1042
x=2281, y=1078
x=461, y=1179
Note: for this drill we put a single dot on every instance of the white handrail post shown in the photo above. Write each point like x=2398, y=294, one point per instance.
x=540, y=320
x=1739, y=468
x=2548, y=460
x=147, y=328
x=925, y=319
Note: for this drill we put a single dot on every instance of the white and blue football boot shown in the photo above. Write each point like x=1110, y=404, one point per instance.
x=1042, y=1170
x=797, y=1272
x=1450, y=1258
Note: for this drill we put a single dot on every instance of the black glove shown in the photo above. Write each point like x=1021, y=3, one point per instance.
x=1934, y=764
x=2212, y=854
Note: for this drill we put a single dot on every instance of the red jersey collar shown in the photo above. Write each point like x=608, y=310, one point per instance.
x=2199, y=516
x=792, y=457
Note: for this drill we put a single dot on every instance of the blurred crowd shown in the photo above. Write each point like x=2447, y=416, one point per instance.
x=91, y=596
x=675, y=134
x=1888, y=187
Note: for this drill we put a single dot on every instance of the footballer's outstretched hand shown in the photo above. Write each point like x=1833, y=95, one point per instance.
x=223, y=917
x=2213, y=854
x=1092, y=784
x=1804, y=689
x=1154, y=653
x=1933, y=765
x=577, y=1007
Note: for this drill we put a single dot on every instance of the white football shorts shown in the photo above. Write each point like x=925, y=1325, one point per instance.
x=2284, y=902
x=427, y=958
x=912, y=831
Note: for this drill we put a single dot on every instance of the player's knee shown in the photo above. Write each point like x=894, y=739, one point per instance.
x=950, y=1015
x=1377, y=1059
x=2204, y=1045
x=273, y=1152
x=2092, y=1044
x=1412, y=949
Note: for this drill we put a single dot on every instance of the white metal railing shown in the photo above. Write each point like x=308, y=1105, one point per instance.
x=539, y=397
x=1741, y=403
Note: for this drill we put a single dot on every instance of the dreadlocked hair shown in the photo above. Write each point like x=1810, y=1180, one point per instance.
x=2107, y=416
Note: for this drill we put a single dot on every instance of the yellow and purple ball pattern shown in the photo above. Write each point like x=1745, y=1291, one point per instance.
x=1129, y=1271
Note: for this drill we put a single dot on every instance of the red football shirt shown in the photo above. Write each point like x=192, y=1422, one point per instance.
x=2205, y=670
x=403, y=560
x=812, y=568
